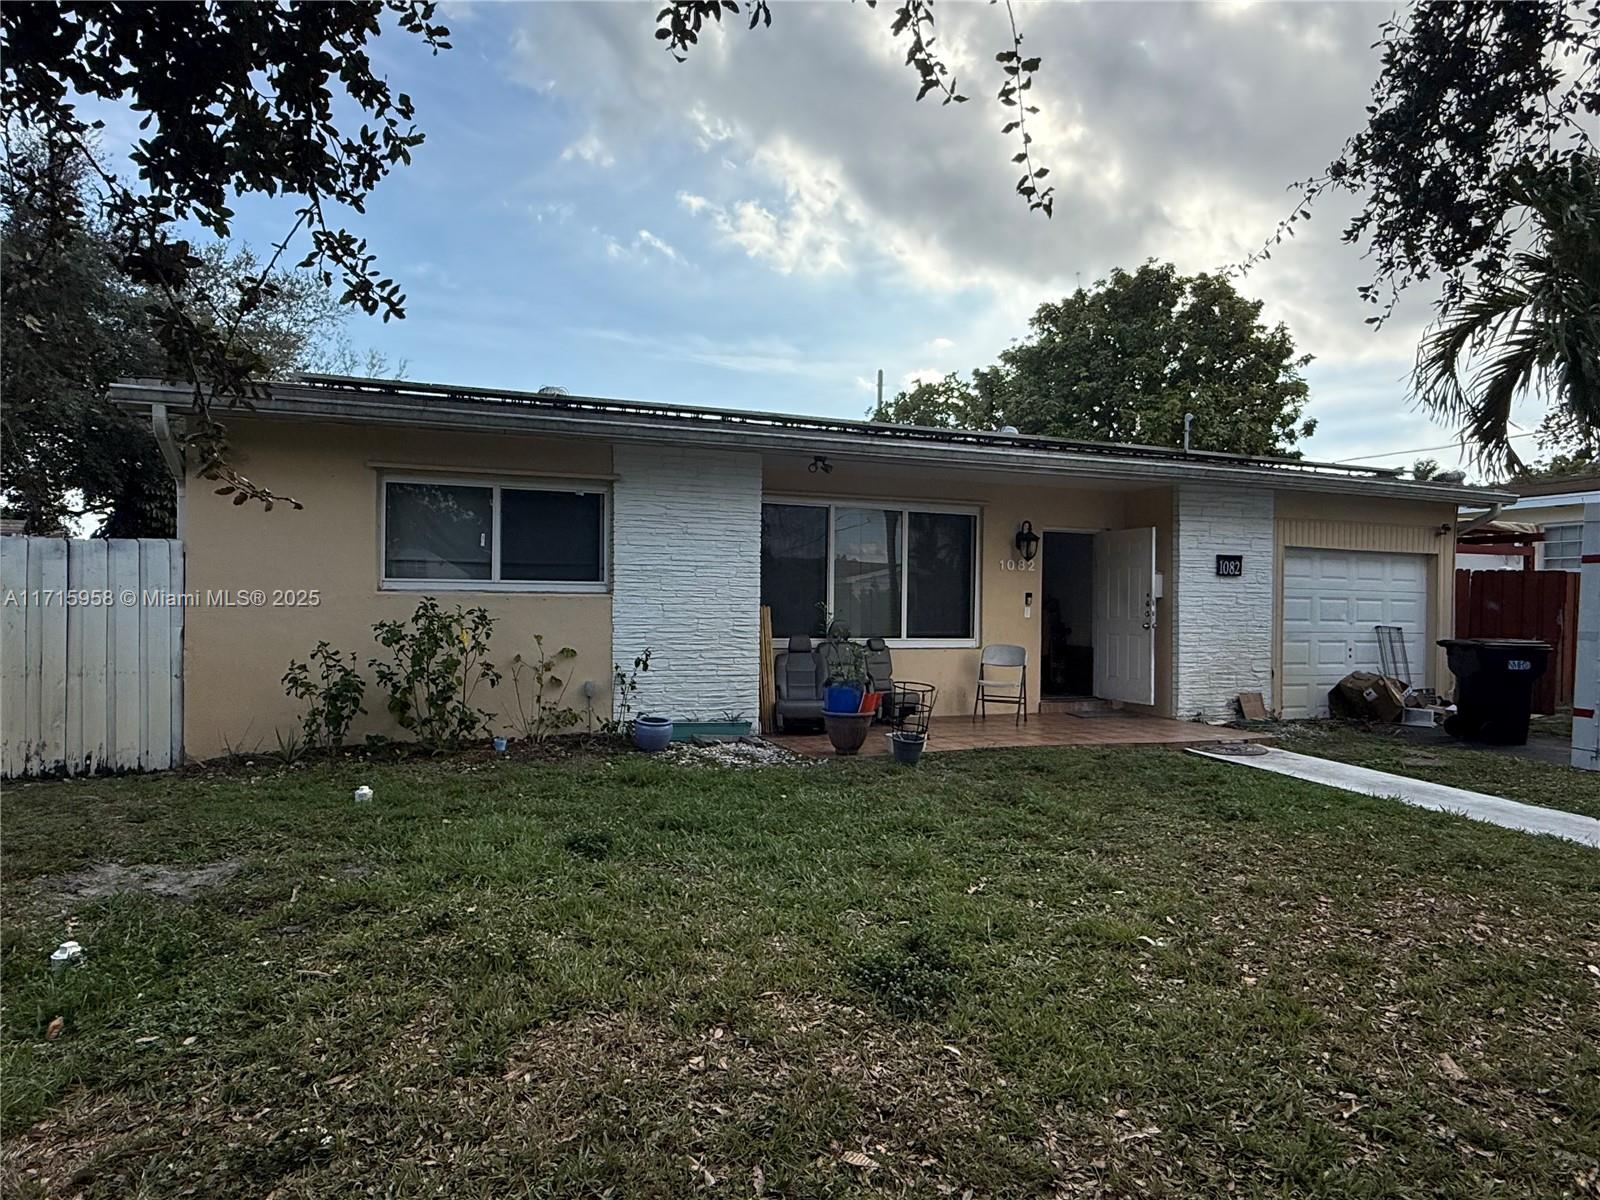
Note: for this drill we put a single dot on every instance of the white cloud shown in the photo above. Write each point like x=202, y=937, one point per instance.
x=1171, y=132
x=813, y=227
x=647, y=240
x=590, y=149
x=644, y=246
x=940, y=344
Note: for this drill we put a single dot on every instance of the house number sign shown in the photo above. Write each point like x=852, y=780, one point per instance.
x=1230, y=566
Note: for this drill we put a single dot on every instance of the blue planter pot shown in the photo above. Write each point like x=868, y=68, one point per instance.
x=652, y=733
x=841, y=698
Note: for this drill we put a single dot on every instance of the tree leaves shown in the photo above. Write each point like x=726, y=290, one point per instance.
x=1536, y=327
x=1124, y=360
x=236, y=99
x=1470, y=97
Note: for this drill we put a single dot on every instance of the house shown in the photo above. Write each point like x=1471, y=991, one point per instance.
x=1164, y=581
x=1541, y=531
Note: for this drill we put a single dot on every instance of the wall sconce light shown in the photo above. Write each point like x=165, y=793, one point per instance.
x=820, y=463
x=1027, y=542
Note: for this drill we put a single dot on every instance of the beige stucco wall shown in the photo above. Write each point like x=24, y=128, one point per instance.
x=1001, y=592
x=234, y=657
x=1331, y=522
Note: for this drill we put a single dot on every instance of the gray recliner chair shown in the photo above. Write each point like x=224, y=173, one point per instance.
x=798, y=676
x=880, y=665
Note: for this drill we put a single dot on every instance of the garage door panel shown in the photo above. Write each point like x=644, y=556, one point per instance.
x=1403, y=612
x=1333, y=610
x=1331, y=601
x=1410, y=568
x=1371, y=610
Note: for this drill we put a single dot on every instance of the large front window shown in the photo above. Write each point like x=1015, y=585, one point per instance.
x=452, y=534
x=899, y=573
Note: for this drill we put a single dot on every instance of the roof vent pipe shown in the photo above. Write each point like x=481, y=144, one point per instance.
x=1188, y=420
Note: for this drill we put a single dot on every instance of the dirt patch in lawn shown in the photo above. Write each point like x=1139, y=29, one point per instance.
x=908, y=1097
x=152, y=879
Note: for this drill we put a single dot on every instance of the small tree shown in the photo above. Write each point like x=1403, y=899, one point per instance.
x=439, y=662
x=333, y=694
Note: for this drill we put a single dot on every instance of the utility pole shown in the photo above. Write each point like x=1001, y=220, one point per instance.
x=880, y=390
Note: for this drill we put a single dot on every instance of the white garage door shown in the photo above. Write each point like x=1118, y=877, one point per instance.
x=1331, y=601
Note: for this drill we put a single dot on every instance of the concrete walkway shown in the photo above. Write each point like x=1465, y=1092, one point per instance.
x=1509, y=814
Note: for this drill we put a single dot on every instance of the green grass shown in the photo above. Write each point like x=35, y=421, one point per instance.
x=1385, y=748
x=1024, y=973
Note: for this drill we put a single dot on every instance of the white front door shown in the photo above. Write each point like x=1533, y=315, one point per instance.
x=1332, y=602
x=1125, y=615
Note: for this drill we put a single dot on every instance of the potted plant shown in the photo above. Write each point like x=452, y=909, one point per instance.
x=847, y=682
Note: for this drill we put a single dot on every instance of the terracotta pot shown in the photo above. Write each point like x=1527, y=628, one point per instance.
x=847, y=731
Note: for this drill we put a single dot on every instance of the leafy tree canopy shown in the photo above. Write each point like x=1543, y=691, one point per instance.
x=72, y=321
x=1124, y=360
x=236, y=99
x=948, y=403
x=1472, y=97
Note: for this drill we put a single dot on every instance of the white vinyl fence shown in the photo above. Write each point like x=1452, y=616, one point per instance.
x=91, y=655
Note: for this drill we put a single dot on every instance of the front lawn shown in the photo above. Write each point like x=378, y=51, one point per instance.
x=1014, y=973
x=1390, y=748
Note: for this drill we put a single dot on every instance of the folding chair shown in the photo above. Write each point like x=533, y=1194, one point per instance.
x=1002, y=679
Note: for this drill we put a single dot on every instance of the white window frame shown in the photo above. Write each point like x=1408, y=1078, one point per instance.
x=494, y=583
x=904, y=508
x=1544, y=547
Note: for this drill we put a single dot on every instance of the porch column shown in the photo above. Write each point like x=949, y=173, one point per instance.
x=1222, y=624
x=686, y=579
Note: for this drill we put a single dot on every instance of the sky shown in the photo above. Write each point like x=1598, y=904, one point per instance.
x=770, y=223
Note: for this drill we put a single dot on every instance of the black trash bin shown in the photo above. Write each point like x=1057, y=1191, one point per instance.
x=1494, y=687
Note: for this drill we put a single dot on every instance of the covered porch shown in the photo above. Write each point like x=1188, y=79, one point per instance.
x=997, y=732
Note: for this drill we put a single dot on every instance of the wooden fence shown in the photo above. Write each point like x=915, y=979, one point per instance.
x=1526, y=604
x=91, y=638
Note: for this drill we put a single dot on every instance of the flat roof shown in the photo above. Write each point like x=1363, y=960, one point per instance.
x=351, y=399
x=1557, y=485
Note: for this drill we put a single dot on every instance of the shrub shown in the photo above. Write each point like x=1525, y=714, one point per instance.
x=334, y=693
x=439, y=662
x=545, y=713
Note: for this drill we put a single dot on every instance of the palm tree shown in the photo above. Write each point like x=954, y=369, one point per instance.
x=1535, y=327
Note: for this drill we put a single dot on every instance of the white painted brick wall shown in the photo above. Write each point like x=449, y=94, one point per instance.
x=1222, y=642
x=686, y=578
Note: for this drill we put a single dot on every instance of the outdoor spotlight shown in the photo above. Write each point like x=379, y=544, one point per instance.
x=1027, y=541
x=820, y=463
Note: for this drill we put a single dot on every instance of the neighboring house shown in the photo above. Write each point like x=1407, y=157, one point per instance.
x=1541, y=531
x=612, y=526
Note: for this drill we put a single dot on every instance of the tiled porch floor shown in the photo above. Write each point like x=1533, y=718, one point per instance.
x=1042, y=729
